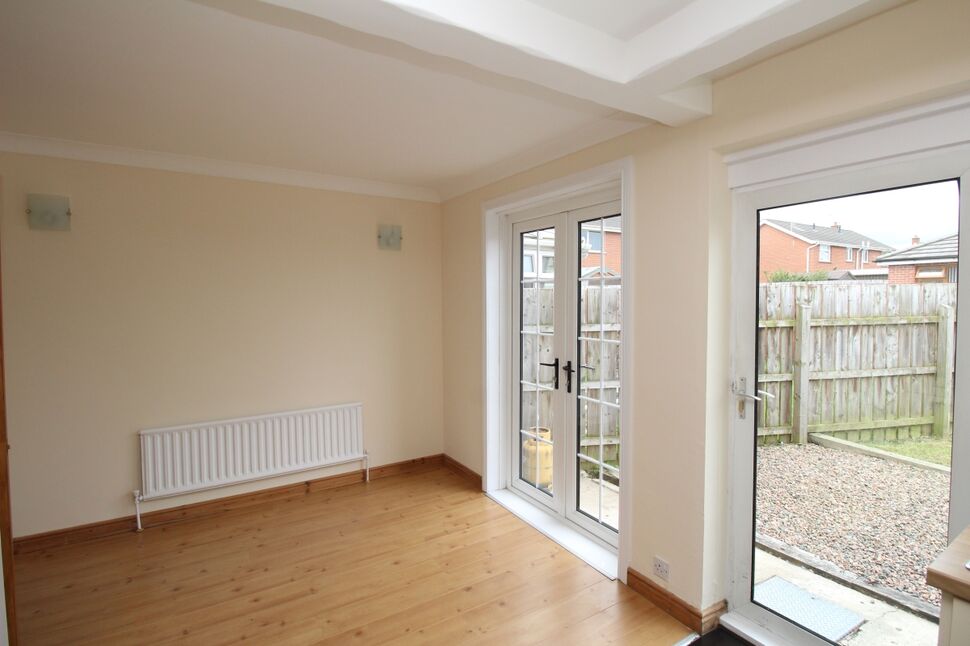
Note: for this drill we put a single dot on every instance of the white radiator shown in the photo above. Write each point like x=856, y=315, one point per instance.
x=195, y=457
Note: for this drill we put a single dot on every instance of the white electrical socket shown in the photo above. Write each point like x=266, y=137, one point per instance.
x=661, y=568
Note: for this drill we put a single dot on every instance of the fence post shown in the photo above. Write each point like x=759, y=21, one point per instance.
x=945, y=354
x=800, y=370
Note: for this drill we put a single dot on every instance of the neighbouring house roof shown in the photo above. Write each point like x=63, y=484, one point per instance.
x=594, y=272
x=944, y=249
x=818, y=234
x=880, y=273
x=840, y=274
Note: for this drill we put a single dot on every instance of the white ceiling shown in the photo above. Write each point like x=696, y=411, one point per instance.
x=621, y=19
x=427, y=97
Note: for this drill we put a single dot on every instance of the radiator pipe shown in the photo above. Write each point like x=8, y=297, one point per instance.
x=137, y=495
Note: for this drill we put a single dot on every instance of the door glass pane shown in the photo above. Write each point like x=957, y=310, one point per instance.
x=537, y=347
x=535, y=470
x=589, y=305
x=547, y=369
x=589, y=430
x=610, y=492
x=545, y=462
x=855, y=370
x=589, y=487
x=546, y=420
x=527, y=458
x=610, y=357
x=530, y=362
x=528, y=265
x=530, y=309
x=529, y=409
x=548, y=265
x=536, y=459
x=598, y=353
x=589, y=365
x=546, y=312
x=611, y=246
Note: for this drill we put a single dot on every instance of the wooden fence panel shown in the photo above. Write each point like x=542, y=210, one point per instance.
x=862, y=360
x=598, y=362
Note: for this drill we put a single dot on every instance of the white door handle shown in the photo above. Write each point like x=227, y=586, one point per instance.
x=739, y=387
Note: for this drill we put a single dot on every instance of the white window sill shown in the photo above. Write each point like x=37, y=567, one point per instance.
x=559, y=530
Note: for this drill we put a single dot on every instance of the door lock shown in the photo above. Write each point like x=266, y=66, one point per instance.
x=569, y=370
x=555, y=366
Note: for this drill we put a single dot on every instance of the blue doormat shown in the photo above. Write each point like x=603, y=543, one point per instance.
x=818, y=615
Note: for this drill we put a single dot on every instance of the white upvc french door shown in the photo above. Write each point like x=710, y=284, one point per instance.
x=770, y=182
x=566, y=345
x=539, y=345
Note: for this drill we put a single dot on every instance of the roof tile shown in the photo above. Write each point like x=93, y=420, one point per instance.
x=942, y=249
x=829, y=235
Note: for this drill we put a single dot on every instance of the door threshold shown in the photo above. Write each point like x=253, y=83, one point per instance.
x=560, y=531
x=750, y=630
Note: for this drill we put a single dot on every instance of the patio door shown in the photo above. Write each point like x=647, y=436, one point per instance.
x=567, y=334
x=846, y=382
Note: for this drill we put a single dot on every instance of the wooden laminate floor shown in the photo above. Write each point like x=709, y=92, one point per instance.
x=421, y=558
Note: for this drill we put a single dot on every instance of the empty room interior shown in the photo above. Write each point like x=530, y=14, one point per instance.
x=468, y=322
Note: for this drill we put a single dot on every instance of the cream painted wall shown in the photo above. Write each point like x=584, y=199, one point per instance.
x=180, y=298
x=912, y=53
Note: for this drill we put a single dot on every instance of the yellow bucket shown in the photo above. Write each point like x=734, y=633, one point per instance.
x=545, y=458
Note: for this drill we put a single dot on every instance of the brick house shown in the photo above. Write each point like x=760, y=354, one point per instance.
x=798, y=248
x=602, y=243
x=604, y=246
x=930, y=262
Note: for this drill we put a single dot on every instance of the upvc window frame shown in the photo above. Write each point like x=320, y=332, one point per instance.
x=825, y=253
x=532, y=259
x=543, y=256
x=586, y=236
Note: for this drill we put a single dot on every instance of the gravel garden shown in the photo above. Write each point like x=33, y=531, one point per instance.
x=882, y=520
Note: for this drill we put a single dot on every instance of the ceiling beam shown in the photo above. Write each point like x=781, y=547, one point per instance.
x=662, y=74
x=587, y=66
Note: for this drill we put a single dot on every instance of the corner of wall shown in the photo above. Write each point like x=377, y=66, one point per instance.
x=713, y=572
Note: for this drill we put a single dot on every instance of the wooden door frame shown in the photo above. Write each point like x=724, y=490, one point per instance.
x=6, y=538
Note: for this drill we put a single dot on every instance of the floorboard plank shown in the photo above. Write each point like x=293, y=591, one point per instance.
x=420, y=558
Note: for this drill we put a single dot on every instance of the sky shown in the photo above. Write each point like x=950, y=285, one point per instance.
x=930, y=211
